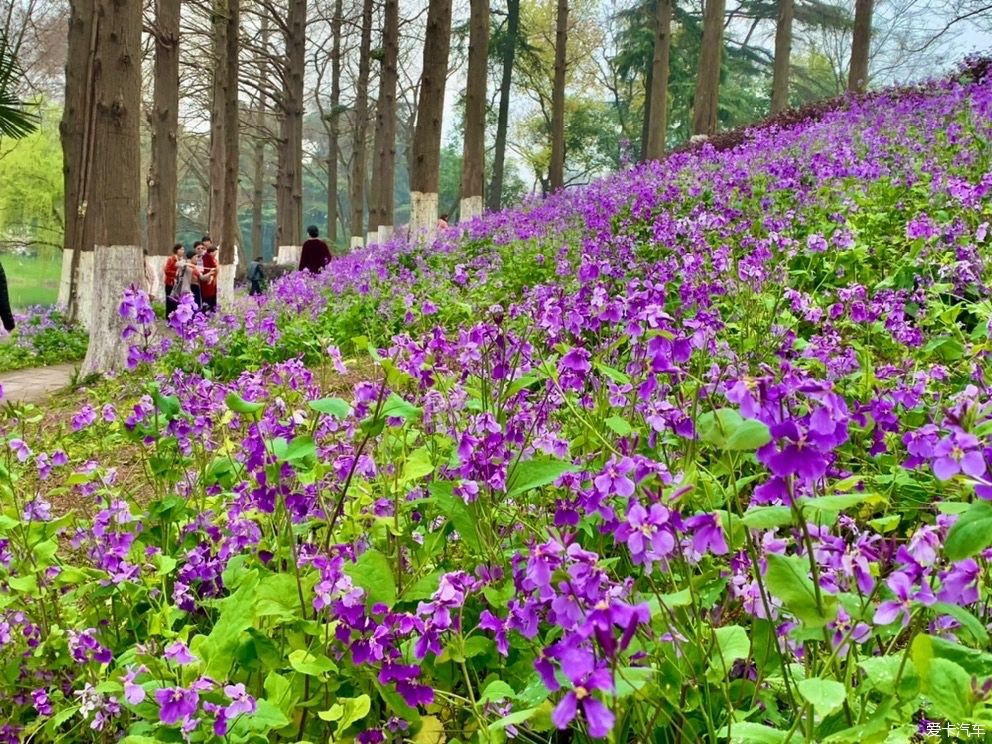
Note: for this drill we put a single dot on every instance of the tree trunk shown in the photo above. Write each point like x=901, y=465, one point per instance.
x=258, y=166
x=495, y=200
x=384, y=149
x=705, y=108
x=857, y=79
x=359, y=130
x=556, y=172
x=289, y=186
x=333, y=127
x=116, y=178
x=76, y=128
x=474, y=150
x=783, y=51
x=218, y=123
x=658, y=96
x=425, y=175
x=232, y=165
x=646, y=121
x=164, y=124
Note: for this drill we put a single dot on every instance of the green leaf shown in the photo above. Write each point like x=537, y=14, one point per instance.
x=277, y=595
x=837, y=502
x=373, y=573
x=239, y=405
x=24, y=584
x=417, y=465
x=331, y=406
x=948, y=687
x=631, y=679
x=748, y=436
x=732, y=644
x=267, y=717
x=457, y=511
x=968, y=621
x=747, y=732
x=619, y=425
x=971, y=534
x=978, y=663
x=715, y=427
x=495, y=691
x=396, y=407
x=767, y=517
x=424, y=587
x=883, y=672
x=300, y=448
x=518, y=716
x=786, y=579
x=825, y=695
x=237, y=612
x=535, y=473
x=347, y=711
x=310, y=664
x=279, y=692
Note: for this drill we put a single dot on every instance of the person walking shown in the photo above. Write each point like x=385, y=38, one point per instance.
x=208, y=279
x=256, y=276
x=171, y=266
x=315, y=254
x=187, y=275
x=196, y=258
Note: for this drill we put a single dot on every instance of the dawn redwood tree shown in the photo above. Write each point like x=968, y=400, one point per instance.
x=218, y=122
x=258, y=161
x=474, y=149
x=706, y=101
x=360, y=129
x=163, y=120
x=857, y=79
x=510, y=40
x=556, y=173
x=116, y=178
x=333, y=125
x=656, y=113
x=425, y=171
x=783, y=52
x=384, y=146
x=228, y=240
x=289, y=177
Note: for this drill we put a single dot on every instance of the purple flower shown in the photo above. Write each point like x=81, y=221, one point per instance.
x=959, y=585
x=899, y=608
x=958, y=453
x=178, y=653
x=614, y=480
x=576, y=360
x=241, y=701
x=586, y=677
x=707, y=534
x=20, y=448
x=86, y=416
x=646, y=533
x=41, y=702
x=133, y=693
x=176, y=704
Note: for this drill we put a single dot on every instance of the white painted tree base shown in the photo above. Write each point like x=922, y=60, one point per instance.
x=423, y=216
x=470, y=208
x=357, y=242
x=157, y=264
x=372, y=238
x=84, y=291
x=289, y=254
x=385, y=234
x=225, y=284
x=118, y=266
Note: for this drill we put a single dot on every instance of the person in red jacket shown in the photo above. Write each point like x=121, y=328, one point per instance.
x=208, y=280
x=315, y=254
x=171, y=265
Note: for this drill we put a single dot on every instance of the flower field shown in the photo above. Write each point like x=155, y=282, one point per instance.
x=698, y=453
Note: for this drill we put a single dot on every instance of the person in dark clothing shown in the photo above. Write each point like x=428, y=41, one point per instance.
x=256, y=275
x=315, y=254
x=5, y=313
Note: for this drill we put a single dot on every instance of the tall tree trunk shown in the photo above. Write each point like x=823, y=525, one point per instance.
x=229, y=234
x=495, y=200
x=556, y=172
x=384, y=148
x=116, y=178
x=333, y=126
x=658, y=96
x=857, y=79
x=76, y=128
x=783, y=52
x=706, y=102
x=218, y=123
x=164, y=124
x=258, y=166
x=360, y=130
x=646, y=121
x=474, y=150
x=289, y=194
x=425, y=175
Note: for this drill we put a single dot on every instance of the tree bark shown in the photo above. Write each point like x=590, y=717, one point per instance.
x=333, y=128
x=384, y=147
x=229, y=234
x=495, y=200
x=218, y=123
x=289, y=183
x=705, y=108
x=360, y=130
x=474, y=149
x=258, y=165
x=657, y=114
x=425, y=175
x=857, y=80
x=116, y=178
x=556, y=172
x=783, y=52
x=76, y=128
x=164, y=124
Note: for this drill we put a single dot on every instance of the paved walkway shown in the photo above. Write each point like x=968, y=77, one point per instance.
x=34, y=385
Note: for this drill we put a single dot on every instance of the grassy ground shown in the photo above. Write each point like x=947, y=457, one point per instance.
x=32, y=280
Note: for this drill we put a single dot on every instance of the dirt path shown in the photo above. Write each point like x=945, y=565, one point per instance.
x=34, y=385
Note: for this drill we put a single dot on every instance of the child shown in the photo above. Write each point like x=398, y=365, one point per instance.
x=256, y=275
